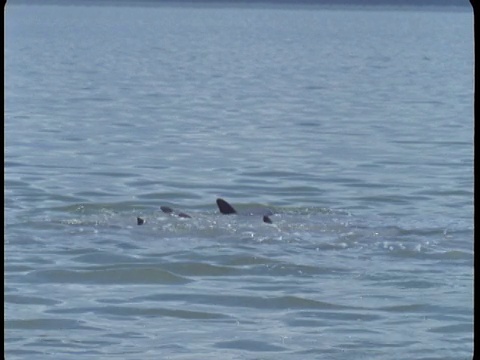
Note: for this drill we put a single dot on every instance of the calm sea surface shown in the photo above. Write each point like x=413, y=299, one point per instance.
x=355, y=127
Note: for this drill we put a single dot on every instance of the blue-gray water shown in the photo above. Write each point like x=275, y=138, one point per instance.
x=354, y=126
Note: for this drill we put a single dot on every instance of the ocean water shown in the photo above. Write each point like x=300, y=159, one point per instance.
x=354, y=126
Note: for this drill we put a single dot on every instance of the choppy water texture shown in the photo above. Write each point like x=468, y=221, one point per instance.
x=354, y=127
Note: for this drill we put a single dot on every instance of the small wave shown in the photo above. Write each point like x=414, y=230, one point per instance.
x=109, y=275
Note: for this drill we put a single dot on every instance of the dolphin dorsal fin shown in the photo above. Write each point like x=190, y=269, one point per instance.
x=225, y=208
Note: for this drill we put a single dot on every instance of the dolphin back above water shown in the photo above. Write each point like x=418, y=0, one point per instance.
x=169, y=210
x=224, y=207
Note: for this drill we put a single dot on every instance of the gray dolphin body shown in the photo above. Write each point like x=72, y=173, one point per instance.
x=224, y=207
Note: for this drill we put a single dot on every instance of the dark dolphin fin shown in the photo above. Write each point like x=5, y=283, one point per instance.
x=140, y=221
x=225, y=208
x=266, y=219
x=166, y=209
